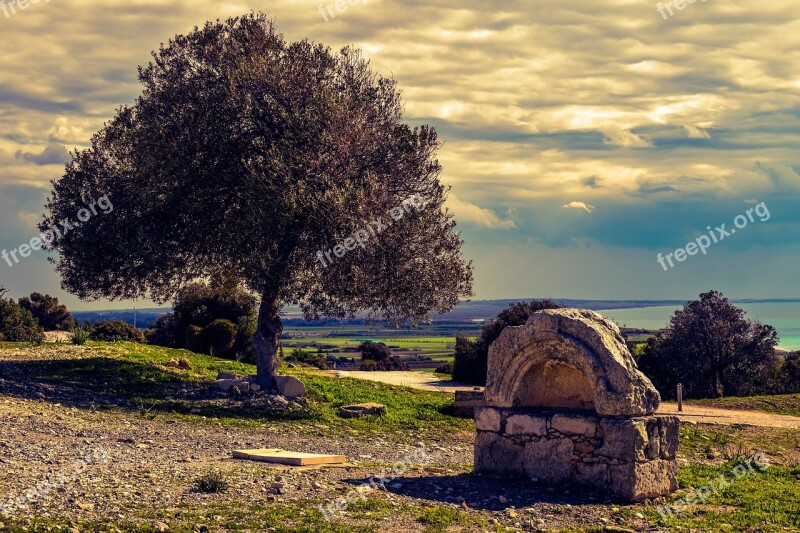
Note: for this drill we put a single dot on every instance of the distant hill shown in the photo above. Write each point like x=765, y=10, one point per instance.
x=469, y=312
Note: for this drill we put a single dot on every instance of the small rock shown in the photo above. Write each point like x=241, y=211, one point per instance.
x=160, y=527
x=255, y=387
x=236, y=391
x=503, y=499
x=640, y=516
x=172, y=363
x=184, y=364
x=85, y=506
x=290, y=386
x=39, y=395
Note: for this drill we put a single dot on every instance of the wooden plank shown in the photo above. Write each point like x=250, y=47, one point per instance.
x=284, y=457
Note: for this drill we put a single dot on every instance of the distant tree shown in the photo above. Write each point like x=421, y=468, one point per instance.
x=378, y=356
x=472, y=355
x=712, y=350
x=374, y=351
x=257, y=157
x=115, y=330
x=303, y=357
x=50, y=314
x=17, y=324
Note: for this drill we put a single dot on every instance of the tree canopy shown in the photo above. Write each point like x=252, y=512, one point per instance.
x=712, y=349
x=46, y=309
x=247, y=155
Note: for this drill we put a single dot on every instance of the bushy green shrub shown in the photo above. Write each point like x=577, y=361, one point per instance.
x=446, y=368
x=79, y=336
x=219, y=336
x=200, y=304
x=114, y=331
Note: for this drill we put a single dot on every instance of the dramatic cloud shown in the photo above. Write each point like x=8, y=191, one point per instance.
x=666, y=124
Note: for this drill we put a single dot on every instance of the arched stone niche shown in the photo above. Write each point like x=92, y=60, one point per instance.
x=564, y=401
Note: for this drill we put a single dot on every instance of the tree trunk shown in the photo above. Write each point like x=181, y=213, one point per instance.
x=719, y=389
x=266, y=342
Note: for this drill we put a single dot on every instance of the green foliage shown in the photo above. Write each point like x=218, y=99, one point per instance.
x=712, y=350
x=376, y=356
x=472, y=355
x=308, y=143
x=446, y=368
x=442, y=518
x=219, y=336
x=219, y=316
x=50, y=314
x=211, y=483
x=114, y=331
x=17, y=324
x=302, y=357
x=80, y=336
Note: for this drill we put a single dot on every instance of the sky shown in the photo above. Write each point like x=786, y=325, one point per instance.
x=582, y=137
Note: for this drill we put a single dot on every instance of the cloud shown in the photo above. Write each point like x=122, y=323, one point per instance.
x=579, y=205
x=593, y=182
x=479, y=216
x=54, y=154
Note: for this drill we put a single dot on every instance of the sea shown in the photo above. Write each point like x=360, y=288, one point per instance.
x=783, y=316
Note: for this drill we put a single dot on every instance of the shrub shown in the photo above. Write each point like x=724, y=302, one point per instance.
x=219, y=336
x=211, y=483
x=193, y=339
x=472, y=355
x=200, y=304
x=374, y=351
x=306, y=358
x=79, y=336
x=446, y=368
x=18, y=324
x=115, y=330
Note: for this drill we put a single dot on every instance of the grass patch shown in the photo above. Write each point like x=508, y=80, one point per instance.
x=758, y=501
x=440, y=518
x=211, y=483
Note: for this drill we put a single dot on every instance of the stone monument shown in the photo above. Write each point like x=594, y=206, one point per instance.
x=565, y=402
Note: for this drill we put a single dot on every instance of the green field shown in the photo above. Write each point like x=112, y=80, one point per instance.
x=343, y=341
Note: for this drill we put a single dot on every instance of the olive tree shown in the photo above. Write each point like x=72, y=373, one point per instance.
x=251, y=157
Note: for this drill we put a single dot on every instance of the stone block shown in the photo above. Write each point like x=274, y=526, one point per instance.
x=522, y=425
x=290, y=387
x=638, y=481
x=228, y=384
x=575, y=425
x=496, y=454
x=593, y=474
x=624, y=440
x=488, y=419
x=548, y=459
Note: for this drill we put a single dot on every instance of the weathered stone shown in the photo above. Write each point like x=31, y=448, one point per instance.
x=362, y=409
x=466, y=401
x=290, y=386
x=624, y=440
x=184, y=364
x=496, y=454
x=637, y=481
x=487, y=419
x=564, y=401
x=594, y=474
x=575, y=425
x=231, y=375
x=571, y=359
x=227, y=384
x=548, y=460
x=519, y=425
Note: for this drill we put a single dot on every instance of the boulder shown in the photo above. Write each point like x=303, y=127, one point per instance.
x=290, y=386
x=227, y=384
x=362, y=409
